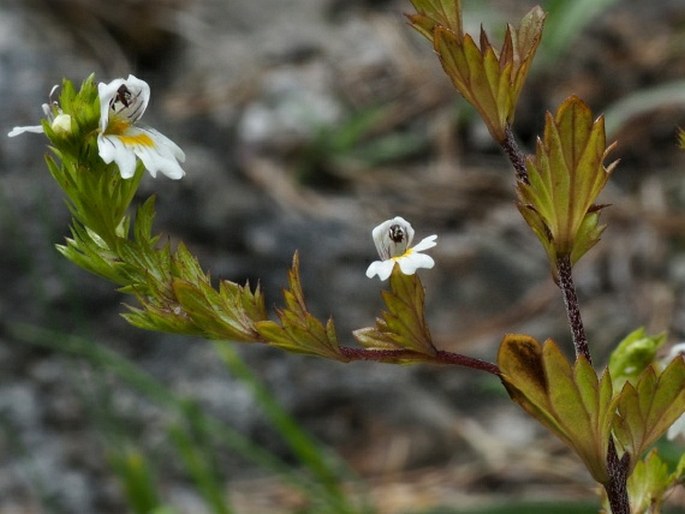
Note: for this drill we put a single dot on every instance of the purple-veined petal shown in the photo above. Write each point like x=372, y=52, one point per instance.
x=111, y=149
x=130, y=107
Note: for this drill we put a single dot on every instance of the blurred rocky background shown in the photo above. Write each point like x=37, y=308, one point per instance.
x=306, y=123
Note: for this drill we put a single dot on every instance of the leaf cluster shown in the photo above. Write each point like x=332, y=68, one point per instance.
x=489, y=79
x=299, y=331
x=565, y=176
x=403, y=325
x=585, y=410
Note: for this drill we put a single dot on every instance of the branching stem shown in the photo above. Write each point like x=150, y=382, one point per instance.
x=515, y=155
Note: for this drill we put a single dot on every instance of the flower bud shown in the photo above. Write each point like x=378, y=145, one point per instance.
x=61, y=125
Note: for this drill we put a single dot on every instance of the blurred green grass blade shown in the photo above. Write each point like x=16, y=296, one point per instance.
x=200, y=464
x=132, y=375
x=669, y=94
x=312, y=455
x=137, y=479
x=565, y=20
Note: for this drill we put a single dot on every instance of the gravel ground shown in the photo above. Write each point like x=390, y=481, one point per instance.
x=259, y=95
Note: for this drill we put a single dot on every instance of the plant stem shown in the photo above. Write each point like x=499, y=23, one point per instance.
x=516, y=156
x=616, y=488
x=575, y=321
x=440, y=357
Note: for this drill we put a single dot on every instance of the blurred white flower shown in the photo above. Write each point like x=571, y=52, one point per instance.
x=60, y=122
x=678, y=427
x=392, y=239
x=122, y=103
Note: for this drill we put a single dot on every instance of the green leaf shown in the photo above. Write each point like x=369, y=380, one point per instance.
x=299, y=331
x=632, y=356
x=648, y=483
x=403, y=325
x=648, y=408
x=569, y=400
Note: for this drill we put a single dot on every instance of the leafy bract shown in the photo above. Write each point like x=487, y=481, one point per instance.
x=489, y=79
x=569, y=400
x=403, y=325
x=565, y=176
x=648, y=483
x=299, y=331
x=431, y=14
x=647, y=408
x=632, y=355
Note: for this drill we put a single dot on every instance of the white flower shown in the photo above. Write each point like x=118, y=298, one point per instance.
x=678, y=427
x=392, y=239
x=60, y=122
x=122, y=103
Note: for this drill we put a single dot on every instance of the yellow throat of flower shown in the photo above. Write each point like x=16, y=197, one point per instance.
x=121, y=128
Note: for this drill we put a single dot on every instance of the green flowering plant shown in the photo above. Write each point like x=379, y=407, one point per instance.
x=611, y=417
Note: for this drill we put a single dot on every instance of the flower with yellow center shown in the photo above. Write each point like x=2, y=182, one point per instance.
x=120, y=140
x=392, y=239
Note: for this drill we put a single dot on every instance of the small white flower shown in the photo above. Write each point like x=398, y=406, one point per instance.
x=678, y=427
x=52, y=112
x=122, y=103
x=392, y=239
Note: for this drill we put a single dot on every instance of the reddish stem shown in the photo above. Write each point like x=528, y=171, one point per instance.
x=575, y=321
x=616, y=488
x=439, y=357
x=516, y=156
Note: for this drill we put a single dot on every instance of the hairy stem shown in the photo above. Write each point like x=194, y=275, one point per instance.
x=515, y=155
x=616, y=488
x=575, y=321
x=440, y=357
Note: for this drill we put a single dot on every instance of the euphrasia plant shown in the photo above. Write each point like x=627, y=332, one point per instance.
x=610, y=417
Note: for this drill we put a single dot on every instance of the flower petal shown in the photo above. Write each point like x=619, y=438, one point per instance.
x=414, y=261
x=381, y=268
x=426, y=243
x=111, y=148
x=155, y=161
x=387, y=246
x=162, y=155
x=128, y=103
x=34, y=129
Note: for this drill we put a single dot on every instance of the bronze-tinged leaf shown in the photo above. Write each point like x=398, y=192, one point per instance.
x=431, y=14
x=490, y=80
x=524, y=42
x=403, y=325
x=566, y=175
x=647, y=409
x=299, y=331
x=569, y=400
x=476, y=74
